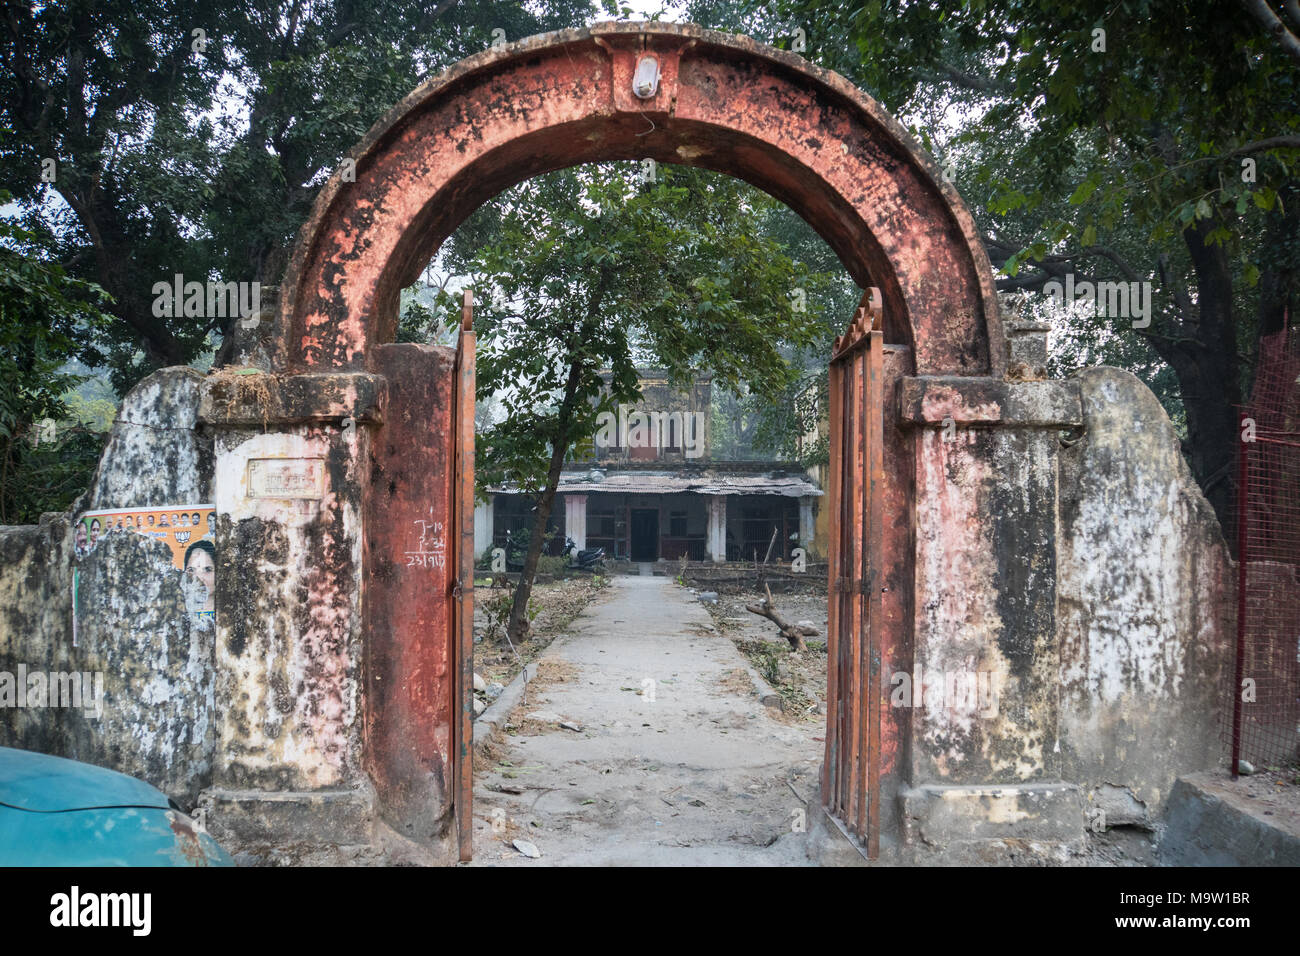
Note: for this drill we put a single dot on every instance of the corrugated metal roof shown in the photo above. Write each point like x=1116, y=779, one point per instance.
x=701, y=483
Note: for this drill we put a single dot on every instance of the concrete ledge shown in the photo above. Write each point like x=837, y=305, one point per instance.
x=243, y=818
x=495, y=715
x=976, y=836
x=1210, y=824
x=942, y=815
x=767, y=695
x=249, y=399
x=929, y=400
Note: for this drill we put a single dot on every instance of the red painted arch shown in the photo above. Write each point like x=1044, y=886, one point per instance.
x=803, y=134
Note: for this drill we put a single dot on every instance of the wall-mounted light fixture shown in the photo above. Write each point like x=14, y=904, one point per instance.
x=645, y=82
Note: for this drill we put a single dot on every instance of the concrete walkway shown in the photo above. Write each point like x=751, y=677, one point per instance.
x=692, y=770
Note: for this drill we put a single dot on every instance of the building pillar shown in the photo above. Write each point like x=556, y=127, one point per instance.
x=575, y=519
x=718, y=528
x=806, y=524
x=484, y=517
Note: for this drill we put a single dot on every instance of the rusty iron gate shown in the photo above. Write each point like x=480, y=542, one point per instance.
x=851, y=771
x=462, y=630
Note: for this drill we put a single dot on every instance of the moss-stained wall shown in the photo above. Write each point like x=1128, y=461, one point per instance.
x=1145, y=603
x=133, y=633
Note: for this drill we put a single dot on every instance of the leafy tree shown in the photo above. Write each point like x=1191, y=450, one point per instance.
x=587, y=273
x=781, y=422
x=200, y=154
x=1151, y=141
x=46, y=319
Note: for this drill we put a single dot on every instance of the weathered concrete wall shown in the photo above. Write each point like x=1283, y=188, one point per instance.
x=36, y=625
x=154, y=658
x=288, y=689
x=1065, y=558
x=1212, y=822
x=155, y=453
x=291, y=456
x=986, y=574
x=1145, y=604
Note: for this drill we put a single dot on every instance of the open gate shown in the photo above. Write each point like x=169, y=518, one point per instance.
x=462, y=629
x=851, y=771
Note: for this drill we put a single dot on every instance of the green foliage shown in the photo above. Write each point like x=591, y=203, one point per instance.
x=205, y=162
x=583, y=275
x=46, y=319
x=496, y=613
x=50, y=476
x=552, y=564
x=1150, y=141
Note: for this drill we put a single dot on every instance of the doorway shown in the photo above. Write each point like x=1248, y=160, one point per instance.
x=645, y=534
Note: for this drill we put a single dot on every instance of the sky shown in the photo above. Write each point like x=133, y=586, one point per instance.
x=674, y=12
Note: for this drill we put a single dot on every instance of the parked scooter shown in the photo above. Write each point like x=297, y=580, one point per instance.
x=516, y=552
x=588, y=559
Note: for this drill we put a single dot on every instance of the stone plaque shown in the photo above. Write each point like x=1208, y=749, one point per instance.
x=286, y=477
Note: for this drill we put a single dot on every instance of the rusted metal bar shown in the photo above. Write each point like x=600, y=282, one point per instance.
x=830, y=775
x=867, y=318
x=463, y=515
x=847, y=624
x=851, y=773
x=863, y=564
x=855, y=503
x=875, y=483
x=1243, y=558
x=1264, y=439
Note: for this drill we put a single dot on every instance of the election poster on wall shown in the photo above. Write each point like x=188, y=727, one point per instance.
x=187, y=530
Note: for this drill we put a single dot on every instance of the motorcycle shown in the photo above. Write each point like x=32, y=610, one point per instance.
x=587, y=559
x=516, y=552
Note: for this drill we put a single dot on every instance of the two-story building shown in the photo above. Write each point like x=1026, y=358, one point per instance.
x=653, y=491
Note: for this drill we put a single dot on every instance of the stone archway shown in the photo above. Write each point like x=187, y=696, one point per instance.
x=335, y=671
x=723, y=102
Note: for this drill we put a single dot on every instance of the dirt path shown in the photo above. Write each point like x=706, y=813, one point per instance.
x=675, y=761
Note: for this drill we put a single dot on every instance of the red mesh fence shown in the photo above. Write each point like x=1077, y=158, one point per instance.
x=1266, y=690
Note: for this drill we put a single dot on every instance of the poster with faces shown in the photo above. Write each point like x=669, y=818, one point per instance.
x=185, y=529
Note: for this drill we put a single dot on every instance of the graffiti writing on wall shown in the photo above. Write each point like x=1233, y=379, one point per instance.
x=431, y=551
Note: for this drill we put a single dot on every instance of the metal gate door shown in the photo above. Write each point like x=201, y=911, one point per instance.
x=462, y=630
x=851, y=771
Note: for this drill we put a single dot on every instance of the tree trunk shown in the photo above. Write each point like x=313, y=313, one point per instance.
x=518, y=626
x=1204, y=357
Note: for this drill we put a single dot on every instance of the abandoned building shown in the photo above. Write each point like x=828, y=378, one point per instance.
x=984, y=517
x=651, y=490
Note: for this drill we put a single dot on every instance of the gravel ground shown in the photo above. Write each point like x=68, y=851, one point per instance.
x=800, y=678
x=558, y=603
x=643, y=742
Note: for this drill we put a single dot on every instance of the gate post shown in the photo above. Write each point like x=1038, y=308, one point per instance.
x=984, y=671
x=290, y=456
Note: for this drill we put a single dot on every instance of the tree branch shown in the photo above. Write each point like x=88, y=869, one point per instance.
x=1273, y=142
x=950, y=74
x=1266, y=18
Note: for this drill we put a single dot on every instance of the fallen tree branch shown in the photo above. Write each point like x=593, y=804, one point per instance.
x=794, y=633
x=760, y=572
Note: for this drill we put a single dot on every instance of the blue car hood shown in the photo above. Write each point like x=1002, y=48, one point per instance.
x=41, y=783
